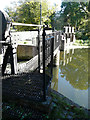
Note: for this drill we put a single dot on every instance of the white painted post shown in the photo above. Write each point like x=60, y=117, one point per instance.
x=68, y=42
x=15, y=60
x=69, y=29
x=70, y=59
x=68, y=50
x=66, y=29
x=64, y=58
x=67, y=60
x=74, y=39
x=72, y=29
x=57, y=58
x=73, y=51
x=15, y=38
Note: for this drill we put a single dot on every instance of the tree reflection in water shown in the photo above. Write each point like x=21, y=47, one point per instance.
x=70, y=78
x=76, y=71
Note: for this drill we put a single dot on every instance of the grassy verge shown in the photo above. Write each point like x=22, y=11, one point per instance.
x=82, y=42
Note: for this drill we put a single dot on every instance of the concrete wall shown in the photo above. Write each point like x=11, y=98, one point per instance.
x=26, y=52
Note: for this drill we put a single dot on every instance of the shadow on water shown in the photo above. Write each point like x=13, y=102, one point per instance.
x=71, y=77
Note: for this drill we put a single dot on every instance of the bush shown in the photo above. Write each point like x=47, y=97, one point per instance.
x=78, y=35
x=81, y=35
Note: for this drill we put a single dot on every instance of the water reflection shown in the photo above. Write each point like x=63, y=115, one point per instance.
x=71, y=77
x=55, y=78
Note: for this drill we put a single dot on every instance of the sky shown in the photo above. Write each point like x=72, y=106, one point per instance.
x=5, y=3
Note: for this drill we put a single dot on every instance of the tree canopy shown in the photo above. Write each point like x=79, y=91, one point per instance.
x=72, y=13
x=25, y=11
x=75, y=14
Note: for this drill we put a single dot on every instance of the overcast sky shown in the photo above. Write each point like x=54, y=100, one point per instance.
x=5, y=3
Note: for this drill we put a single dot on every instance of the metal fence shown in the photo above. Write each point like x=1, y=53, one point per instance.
x=46, y=44
x=13, y=41
x=47, y=49
x=50, y=43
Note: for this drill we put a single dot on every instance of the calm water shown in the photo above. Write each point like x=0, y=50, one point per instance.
x=71, y=76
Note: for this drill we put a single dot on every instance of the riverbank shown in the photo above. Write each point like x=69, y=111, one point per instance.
x=67, y=109
x=57, y=108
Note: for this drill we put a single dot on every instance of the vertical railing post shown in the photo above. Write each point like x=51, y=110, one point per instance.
x=12, y=61
x=54, y=36
x=59, y=39
x=44, y=82
x=52, y=50
x=11, y=56
x=39, y=50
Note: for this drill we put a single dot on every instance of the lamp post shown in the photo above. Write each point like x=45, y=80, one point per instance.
x=40, y=13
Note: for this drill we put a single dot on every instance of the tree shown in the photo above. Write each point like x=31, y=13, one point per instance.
x=76, y=71
x=75, y=14
x=29, y=12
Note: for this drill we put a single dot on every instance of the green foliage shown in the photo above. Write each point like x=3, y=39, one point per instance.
x=82, y=42
x=78, y=35
x=25, y=42
x=29, y=12
x=72, y=13
x=75, y=14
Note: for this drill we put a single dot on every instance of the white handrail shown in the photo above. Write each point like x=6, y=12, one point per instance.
x=23, y=24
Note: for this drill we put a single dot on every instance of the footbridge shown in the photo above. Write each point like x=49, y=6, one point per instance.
x=43, y=44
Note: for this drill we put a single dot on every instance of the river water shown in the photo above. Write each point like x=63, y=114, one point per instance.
x=70, y=78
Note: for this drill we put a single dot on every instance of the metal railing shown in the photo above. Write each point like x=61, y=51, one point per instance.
x=50, y=43
x=11, y=44
x=46, y=44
